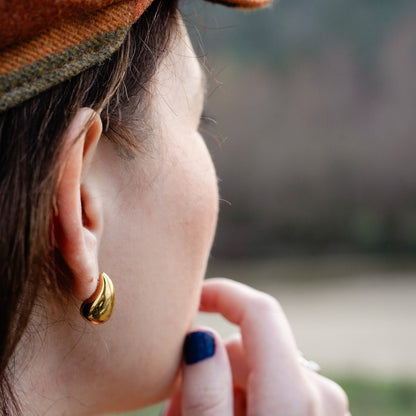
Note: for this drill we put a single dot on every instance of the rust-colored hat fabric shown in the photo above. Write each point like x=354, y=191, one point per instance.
x=45, y=42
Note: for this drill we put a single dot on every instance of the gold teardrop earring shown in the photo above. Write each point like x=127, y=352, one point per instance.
x=98, y=307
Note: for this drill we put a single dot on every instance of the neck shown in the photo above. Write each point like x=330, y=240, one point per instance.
x=51, y=366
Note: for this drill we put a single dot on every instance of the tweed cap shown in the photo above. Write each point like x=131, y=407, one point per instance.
x=45, y=42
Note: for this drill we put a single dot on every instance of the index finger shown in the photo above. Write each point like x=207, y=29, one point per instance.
x=271, y=352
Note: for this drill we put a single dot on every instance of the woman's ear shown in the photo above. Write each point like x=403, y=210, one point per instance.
x=78, y=222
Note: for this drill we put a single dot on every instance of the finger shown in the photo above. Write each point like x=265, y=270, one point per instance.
x=238, y=362
x=333, y=400
x=239, y=370
x=257, y=314
x=276, y=380
x=207, y=384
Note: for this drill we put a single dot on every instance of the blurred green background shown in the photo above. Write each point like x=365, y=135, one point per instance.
x=311, y=122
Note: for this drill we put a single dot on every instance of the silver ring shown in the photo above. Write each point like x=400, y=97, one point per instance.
x=309, y=364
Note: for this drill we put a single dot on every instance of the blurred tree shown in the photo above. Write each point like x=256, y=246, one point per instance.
x=316, y=123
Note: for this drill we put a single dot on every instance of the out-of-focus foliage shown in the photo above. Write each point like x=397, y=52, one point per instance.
x=280, y=35
x=380, y=398
x=316, y=120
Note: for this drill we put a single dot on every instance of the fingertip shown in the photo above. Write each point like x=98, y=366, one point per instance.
x=211, y=288
x=206, y=370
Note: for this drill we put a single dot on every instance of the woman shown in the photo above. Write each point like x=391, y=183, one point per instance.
x=103, y=169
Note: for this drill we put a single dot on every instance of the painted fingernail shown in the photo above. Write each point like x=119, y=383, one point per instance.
x=199, y=345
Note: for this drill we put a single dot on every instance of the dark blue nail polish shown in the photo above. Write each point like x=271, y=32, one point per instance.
x=199, y=345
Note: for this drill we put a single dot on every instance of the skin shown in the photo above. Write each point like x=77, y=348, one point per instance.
x=256, y=373
x=149, y=223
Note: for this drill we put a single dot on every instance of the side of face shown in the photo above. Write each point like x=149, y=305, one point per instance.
x=159, y=212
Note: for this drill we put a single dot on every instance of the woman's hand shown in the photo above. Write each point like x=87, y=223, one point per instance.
x=255, y=374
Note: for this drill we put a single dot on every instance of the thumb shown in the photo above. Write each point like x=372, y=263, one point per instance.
x=207, y=382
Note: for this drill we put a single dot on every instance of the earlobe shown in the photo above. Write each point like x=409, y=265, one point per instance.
x=78, y=220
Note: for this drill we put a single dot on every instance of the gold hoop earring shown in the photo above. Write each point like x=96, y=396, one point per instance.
x=98, y=307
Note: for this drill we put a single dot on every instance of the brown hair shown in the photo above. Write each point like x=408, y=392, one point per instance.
x=30, y=144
